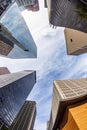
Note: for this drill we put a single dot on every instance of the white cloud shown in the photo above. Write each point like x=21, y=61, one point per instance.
x=40, y=125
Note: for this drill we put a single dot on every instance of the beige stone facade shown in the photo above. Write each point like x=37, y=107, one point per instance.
x=66, y=93
x=76, y=42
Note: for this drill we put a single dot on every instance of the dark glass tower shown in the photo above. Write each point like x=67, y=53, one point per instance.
x=14, y=89
x=26, y=117
x=4, y=5
x=68, y=13
x=7, y=41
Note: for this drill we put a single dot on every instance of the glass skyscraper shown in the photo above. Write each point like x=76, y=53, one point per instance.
x=24, y=46
x=26, y=117
x=14, y=89
x=68, y=13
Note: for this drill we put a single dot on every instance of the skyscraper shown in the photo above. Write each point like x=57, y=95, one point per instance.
x=14, y=89
x=26, y=117
x=25, y=2
x=19, y=30
x=45, y=3
x=68, y=13
x=50, y=123
x=76, y=42
x=7, y=41
x=68, y=94
x=4, y=5
x=4, y=70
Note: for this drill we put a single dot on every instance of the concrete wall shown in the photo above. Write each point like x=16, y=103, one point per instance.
x=75, y=41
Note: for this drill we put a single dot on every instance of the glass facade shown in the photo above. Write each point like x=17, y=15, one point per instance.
x=7, y=38
x=26, y=117
x=4, y=4
x=14, y=90
x=25, y=46
x=68, y=13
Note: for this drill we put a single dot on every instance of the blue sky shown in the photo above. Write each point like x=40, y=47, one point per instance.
x=52, y=62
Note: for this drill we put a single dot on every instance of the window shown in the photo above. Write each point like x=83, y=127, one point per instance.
x=71, y=40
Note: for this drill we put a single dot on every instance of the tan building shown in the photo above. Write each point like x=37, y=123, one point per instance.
x=77, y=117
x=69, y=105
x=76, y=41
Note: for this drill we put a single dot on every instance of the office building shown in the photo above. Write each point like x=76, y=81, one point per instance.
x=4, y=5
x=25, y=47
x=25, y=2
x=7, y=41
x=14, y=89
x=5, y=48
x=34, y=7
x=4, y=70
x=47, y=125
x=45, y=3
x=26, y=117
x=68, y=13
x=76, y=42
x=29, y=4
x=68, y=103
